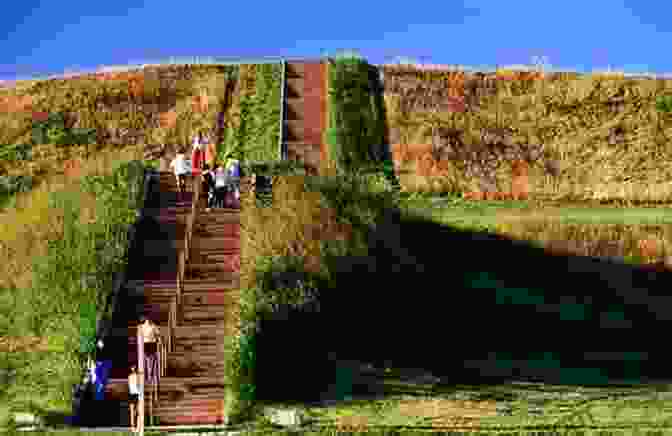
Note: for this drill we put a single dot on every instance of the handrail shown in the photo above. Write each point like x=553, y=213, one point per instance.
x=141, y=382
x=184, y=256
x=180, y=277
x=171, y=323
x=281, y=135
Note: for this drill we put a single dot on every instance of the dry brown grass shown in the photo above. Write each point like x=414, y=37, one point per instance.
x=293, y=226
x=602, y=129
x=446, y=412
x=652, y=245
x=23, y=344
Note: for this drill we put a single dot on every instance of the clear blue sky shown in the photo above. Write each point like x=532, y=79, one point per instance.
x=50, y=36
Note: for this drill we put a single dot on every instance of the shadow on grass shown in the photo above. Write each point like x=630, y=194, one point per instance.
x=432, y=297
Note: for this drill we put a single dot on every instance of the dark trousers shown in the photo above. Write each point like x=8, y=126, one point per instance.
x=219, y=196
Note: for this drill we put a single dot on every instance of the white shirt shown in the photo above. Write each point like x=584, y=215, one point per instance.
x=179, y=164
x=133, y=385
x=92, y=371
x=220, y=179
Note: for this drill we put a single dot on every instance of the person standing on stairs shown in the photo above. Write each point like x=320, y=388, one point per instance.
x=152, y=339
x=133, y=396
x=233, y=175
x=221, y=181
x=209, y=186
x=197, y=155
x=210, y=153
x=179, y=166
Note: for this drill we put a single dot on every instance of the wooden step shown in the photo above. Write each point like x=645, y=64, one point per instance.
x=213, y=395
x=200, y=315
x=212, y=386
x=199, y=411
x=217, y=230
x=294, y=108
x=294, y=69
x=196, y=274
x=214, y=350
x=213, y=256
x=294, y=130
x=187, y=363
x=195, y=405
x=211, y=298
x=222, y=242
x=223, y=281
x=194, y=417
x=223, y=215
x=204, y=268
x=191, y=317
x=191, y=333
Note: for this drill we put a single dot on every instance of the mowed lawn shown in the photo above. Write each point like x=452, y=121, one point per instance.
x=399, y=397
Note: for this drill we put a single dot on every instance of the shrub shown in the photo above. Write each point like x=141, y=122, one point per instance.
x=12, y=153
x=356, y=125
x=664, y=104
x=13, y=184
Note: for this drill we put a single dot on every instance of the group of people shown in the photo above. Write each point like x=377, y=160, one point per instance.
x=221, y=182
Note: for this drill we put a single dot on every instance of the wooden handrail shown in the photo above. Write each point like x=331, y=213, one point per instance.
x=141, y=382
x=184, y=255
x=171, y=322
x=180, y=276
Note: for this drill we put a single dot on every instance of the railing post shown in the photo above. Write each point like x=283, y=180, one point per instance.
x=180, y=277
x=141, y=383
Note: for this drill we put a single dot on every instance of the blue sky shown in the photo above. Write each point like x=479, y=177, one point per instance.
x=50, y=36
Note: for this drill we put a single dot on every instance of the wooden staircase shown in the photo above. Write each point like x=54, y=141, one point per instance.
x=194, y=312
x=304, y=110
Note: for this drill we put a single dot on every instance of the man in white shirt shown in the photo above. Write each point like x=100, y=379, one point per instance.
x=221, y=180
x=181, y=169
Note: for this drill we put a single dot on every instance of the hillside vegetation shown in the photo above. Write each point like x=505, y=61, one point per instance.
x=584, y=136
x=70, y=154
x=61, y=245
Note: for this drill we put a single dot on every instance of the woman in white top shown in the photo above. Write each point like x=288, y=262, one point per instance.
x=133, y=396
x=181, y=169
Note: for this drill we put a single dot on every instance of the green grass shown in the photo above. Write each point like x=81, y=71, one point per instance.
x=562, y=406
x=359, y=203
x=88, y=239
